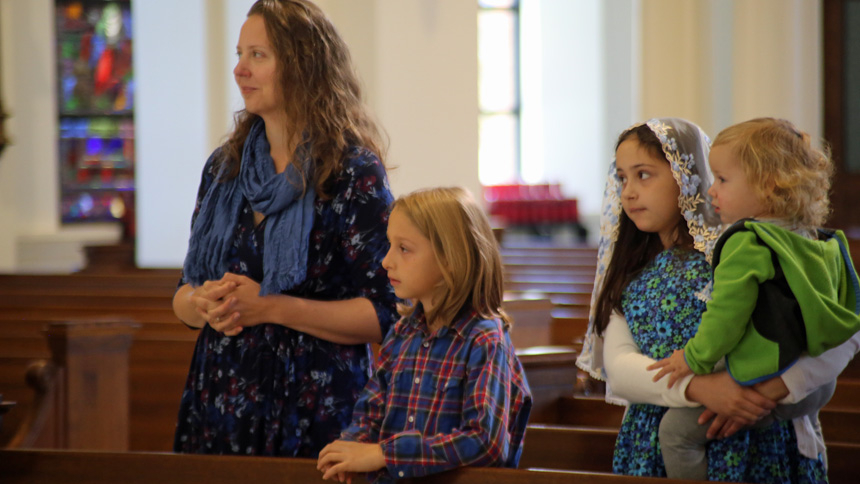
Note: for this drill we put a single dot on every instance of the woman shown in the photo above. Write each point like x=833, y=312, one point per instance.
x=283, y=273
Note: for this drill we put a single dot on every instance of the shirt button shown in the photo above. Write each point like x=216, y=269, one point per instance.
x=426, y=344
x=417, y=380
x=400, y=473
x=411, y=419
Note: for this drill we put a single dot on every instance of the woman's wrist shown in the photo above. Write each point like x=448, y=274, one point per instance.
x=692, y=391
x=281, y=309
x=774, y=389
x=185, y=309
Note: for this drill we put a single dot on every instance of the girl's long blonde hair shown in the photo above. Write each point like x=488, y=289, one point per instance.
x=465, y=249
x=789, y=175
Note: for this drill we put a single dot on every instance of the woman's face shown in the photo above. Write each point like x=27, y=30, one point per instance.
x=649, y=193
x=256, y=70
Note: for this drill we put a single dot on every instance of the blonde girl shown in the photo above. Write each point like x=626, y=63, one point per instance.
x=448, y=390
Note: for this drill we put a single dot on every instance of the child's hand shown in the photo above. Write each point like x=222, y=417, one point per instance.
x=340, y=458
x=675, y=366
x=341, y=476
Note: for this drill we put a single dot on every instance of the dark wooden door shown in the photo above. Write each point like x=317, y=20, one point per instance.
x=842, y=109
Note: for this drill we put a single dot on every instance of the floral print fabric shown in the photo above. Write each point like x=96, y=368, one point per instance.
x=663, y=312
x=278, y=392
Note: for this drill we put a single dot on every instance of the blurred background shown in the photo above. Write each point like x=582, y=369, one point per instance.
x=113, y=106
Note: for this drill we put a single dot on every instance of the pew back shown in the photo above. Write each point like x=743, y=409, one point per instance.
x=50, y=467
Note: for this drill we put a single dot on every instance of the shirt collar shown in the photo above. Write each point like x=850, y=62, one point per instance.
x=461, y=325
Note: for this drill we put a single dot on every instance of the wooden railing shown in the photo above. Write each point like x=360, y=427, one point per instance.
x=51, y=467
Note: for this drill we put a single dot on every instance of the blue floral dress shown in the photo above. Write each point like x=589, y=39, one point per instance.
x=278, y=392
x=663, y=311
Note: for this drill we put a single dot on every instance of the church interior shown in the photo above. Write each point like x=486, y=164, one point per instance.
x=98, y=179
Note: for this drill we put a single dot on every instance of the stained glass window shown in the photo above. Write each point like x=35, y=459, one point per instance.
x=96, y=95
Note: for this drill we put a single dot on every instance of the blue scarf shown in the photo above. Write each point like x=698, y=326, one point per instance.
x=289, y=215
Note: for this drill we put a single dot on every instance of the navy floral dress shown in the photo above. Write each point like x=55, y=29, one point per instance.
x=663, y=311
x=274, y=391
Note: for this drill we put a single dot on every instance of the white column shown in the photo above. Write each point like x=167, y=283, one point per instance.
x=426, y=91
x=778, y=62
x=172, y=123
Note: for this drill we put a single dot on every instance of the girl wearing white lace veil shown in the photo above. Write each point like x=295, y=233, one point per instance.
x=657, y=233
x=685, y=146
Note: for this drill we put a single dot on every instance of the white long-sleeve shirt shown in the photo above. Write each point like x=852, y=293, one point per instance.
x=629, y=379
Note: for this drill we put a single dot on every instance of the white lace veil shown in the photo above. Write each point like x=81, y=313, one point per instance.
x=686, y=148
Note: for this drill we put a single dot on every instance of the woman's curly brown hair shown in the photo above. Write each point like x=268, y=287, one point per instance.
x=790, y=176
x=320, y=91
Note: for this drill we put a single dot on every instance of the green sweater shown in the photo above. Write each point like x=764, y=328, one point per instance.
x=821, y=277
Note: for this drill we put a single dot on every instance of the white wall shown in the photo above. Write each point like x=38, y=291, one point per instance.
x=713, y=61
x=172, y=123
x=778, y=44
x=570, y=110
x=408, y=50
x=426, y=91
x=418, y=62
x=719, y=62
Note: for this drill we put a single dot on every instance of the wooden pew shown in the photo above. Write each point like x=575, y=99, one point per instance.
x=559, y=449
x=532, y=321
x=149, y=279
x=514, y=271
x=545, y=249
x=156, y=376
x=579, y=301
x=82, y=394
x=569, y=325
x=159, y=356
x=51, y=467
x=551, y=374
x=547, y=257
x=576, y=448
x=167, y=353
x=839, y=424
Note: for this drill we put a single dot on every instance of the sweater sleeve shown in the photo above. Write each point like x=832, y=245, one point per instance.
x=809, y=373
x=365, y=218
x=744, y=264
x=627, y=374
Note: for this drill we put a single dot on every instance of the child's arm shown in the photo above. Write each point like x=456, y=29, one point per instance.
x=352, y=453
x=675, y=366
x=369, y=409
x=627, y=370
x=482, y=436
x=358, y=449
x=744, y=264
